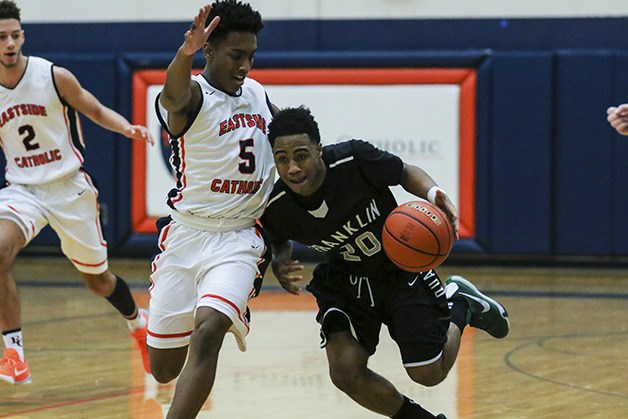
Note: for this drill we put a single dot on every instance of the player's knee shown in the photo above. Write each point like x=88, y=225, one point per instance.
x=166, y=364
x=426, y=376
x=210, y=331
x=343, y=381
x=164, y=373
x=347, y=358
x=347, y=377
x=6, y=262
x=11, y=242
x=7, y=257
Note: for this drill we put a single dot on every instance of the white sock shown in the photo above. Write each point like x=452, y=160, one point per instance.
x=137, y=323
x=13, y=340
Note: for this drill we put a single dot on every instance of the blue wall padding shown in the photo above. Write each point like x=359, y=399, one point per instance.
x=551, y=175
x=583, y=153
x=619, y=174
x=521, y=153
x=482, y=154
x=345, y=35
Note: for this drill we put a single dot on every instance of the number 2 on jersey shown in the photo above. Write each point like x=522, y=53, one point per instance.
x=28, y=133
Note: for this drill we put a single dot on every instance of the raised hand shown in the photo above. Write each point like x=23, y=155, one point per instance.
x=197, y=35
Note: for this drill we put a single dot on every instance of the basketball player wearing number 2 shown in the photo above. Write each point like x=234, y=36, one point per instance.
x=40, y=133
x=212, y=255
x=335, y=199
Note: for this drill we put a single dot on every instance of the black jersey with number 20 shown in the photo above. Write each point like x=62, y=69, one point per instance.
x=345, y=217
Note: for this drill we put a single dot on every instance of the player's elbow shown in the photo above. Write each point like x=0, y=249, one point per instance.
x=173, y=103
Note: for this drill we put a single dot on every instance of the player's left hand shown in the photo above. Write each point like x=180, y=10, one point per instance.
x=443, y=202
x=618, y=118
x=287, y=272
x=197, y=35
x=139, y=132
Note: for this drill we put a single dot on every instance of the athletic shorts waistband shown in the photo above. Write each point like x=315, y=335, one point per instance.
x=212, y=224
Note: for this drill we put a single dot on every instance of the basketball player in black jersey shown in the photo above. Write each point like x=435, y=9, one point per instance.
x=335, y=199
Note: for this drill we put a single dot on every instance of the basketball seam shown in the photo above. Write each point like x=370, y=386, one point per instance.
x=409, y=253
x=412, y=248
x=450, y=228
x=426, y=227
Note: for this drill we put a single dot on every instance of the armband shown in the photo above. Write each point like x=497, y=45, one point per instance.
x=431, y=194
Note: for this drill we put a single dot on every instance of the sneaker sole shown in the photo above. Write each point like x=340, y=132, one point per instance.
x=7, y=380
x=17, y=383
x=26, y=381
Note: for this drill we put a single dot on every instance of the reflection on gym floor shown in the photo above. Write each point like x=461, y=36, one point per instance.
x=564, y=358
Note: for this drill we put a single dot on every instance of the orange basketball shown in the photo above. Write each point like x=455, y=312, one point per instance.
x=417, y=236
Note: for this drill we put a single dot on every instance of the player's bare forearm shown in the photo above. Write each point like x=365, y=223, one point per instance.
x=416, y=181
x=177, y=93
x=282, y=250
x=113, y=121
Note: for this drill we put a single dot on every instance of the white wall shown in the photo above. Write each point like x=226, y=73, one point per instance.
x=40, y=11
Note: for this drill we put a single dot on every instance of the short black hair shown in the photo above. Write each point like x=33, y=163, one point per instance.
x=293, y=121
x=235, y=16
x=9, y=10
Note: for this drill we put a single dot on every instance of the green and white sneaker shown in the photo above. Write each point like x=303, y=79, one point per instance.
x=484, y=312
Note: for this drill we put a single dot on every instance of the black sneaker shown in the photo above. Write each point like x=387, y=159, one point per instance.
x=484, y=312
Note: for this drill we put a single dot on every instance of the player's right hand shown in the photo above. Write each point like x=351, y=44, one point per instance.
x=139, y=132
x=197, y=35
x=444, y=202
x=287, y=272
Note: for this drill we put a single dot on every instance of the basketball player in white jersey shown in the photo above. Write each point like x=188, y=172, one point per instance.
x=40, y=134
x=212, y=254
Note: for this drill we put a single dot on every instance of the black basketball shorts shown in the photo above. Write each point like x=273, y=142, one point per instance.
x=412, y=306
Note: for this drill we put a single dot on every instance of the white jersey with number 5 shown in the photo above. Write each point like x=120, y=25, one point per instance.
x=223, y=161
x=40, y=133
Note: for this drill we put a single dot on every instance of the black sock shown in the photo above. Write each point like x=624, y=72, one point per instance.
x=122, y=299
x=458, y=312
x=410, y=410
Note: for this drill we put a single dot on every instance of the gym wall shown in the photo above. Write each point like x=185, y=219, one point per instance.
x=548, y=167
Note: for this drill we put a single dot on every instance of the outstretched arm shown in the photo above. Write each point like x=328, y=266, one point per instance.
x=286, y=269
x=178, y=95
x=618, y=118
x=416, y=181
x=86, y=103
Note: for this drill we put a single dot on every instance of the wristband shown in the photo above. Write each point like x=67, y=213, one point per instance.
x=431, y=194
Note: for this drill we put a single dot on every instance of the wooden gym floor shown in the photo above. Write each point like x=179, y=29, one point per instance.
x=564, y=358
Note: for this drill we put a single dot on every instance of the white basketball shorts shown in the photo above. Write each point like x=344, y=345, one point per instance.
x=70, y=206
x=201, y=268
